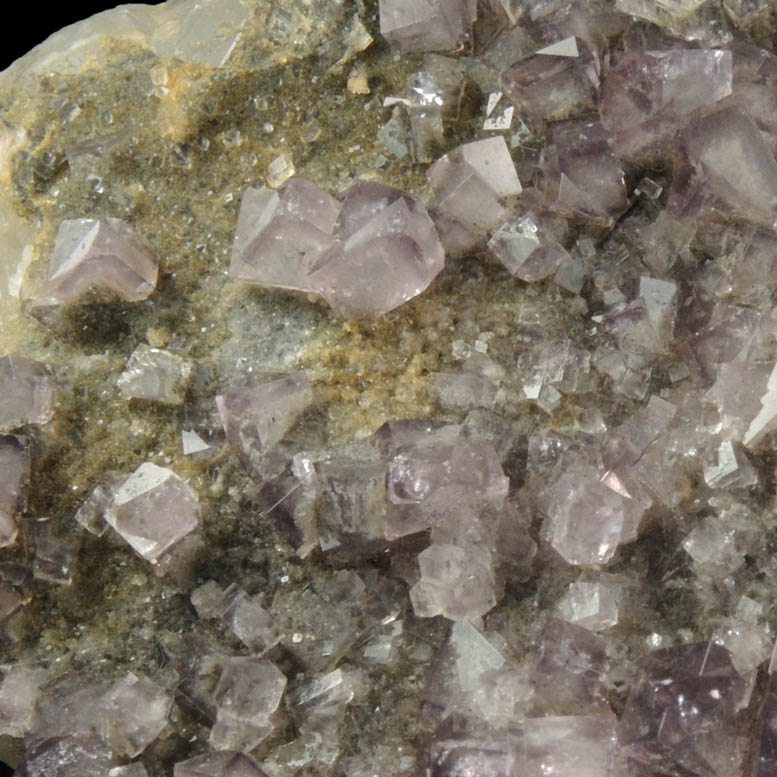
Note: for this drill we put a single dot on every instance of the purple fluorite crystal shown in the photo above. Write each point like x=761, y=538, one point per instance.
x=681, y=710
x=222, y=764
x=98, y=257
x=648, y=95
x=553, y=87
x=470, y=184
x=588, y=519
x=153, y=511
x=281, y=234
x=248, y=693
x=26, y=392
x=729, y=153
x=14, y=474
x=257, y=416
x=583, y=177
x=387, y=253
x=432, y=25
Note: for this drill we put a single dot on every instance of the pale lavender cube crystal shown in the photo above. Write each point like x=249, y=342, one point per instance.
x=98, y=258
x=490, y=159
x=732, y=158
x=71, y=755
x=134, y=712
x=587, y=519
x=527, y=248
x=91, y=513
x=281, y=234
x=433, y=480
x=431, y=25
x=153, y=511
x=584, y=178
x=648, y=95
x=766, y=764
x=680, y=710
x=248, y=620
x=18, y=694
x=544, y=87
x=456, y=582
x=571, y=673
x=248, y=693
x=26, y=392
x=226, y=763
x=388, y=252
x=14, y=474
x=352, y=500
x=470, y=184
x=155, y=374
x=566, y=746
x=256, y=417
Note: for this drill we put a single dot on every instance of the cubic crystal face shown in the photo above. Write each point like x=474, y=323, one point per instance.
x=94, y=258
x=26, y=392
x=222, y=764
x=455, y=582
x=364, y=256
x=681, y=709
x=730, y=154
x=154, y=374
x=551, y=87
x=388, y=252
x=135, y=712
x=431, y=25
x=154, y=510
x=256, y=417
x=248, y=693
x=14, y=474
x=470, y=184
x=587, y=520
x=282, y=234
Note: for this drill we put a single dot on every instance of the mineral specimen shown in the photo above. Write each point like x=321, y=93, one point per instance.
x=365, y=256
x=155, y=374
x=248, y=693
x=522, y=525
x=98, y=257
x=14, y=473
x=153, y=511
x=436, y=25
x=26, y=392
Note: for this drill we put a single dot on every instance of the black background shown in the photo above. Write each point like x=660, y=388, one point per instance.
x=33, y=23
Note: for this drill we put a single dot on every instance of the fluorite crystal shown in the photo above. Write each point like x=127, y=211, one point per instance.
x=26, y=392
x=281, y=234
x=522, y=526
x=222, y=764
x=470, y=184
x=94, y=258
x=433, y=25
x=588, y=519
x=248, y=693
x=153, y=511
x=257, y=416
x=365, y=256
x=387, y=252
x=680, y=709
x=154, y=374
x=552, y=87
x=14, y=474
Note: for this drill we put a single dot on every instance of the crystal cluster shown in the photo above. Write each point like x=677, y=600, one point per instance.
x=365, y=255
x=547, y=550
